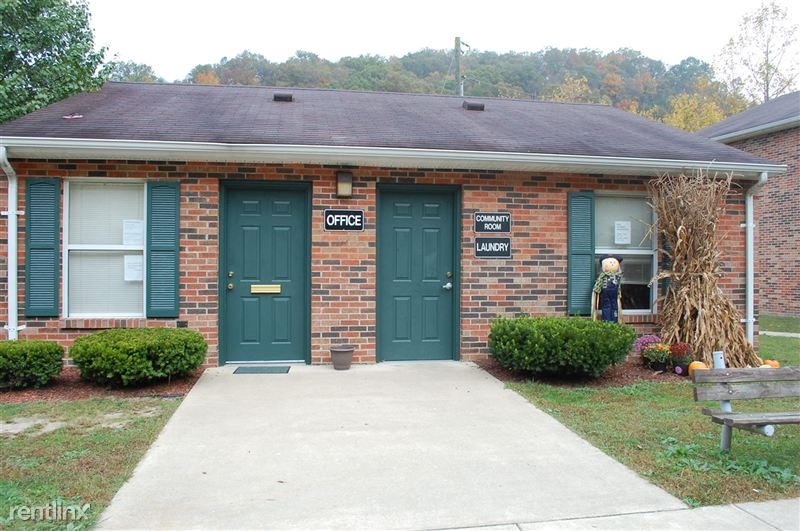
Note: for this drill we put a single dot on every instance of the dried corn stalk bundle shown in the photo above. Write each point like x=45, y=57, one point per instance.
x=695, y=309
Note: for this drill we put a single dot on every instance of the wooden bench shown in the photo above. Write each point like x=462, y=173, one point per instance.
x=745, y=384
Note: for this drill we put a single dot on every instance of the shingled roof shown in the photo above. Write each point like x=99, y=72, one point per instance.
x=775, y=115
x=201, y=122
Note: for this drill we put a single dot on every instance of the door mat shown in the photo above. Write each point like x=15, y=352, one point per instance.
x=275, y=369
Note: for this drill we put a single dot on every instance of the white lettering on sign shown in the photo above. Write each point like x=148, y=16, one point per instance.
x=493, y=247
x=498, y=218
x=492, y=222
x=344, y=219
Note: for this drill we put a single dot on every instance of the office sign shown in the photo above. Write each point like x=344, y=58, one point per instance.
x=344, y=219
x=493, y=222
x=492, y=247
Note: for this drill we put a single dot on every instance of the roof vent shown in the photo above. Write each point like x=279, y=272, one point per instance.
x=472, y=106
x=73, y=116
x=282, y=96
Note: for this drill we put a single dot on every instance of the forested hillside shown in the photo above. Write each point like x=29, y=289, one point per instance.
x=685, y=95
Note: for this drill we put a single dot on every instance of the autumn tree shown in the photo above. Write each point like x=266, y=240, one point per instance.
x=691, y=112
x=708, y=102
x=761, y=61
x=574, y=89
x=203, y=75
x=46, y=54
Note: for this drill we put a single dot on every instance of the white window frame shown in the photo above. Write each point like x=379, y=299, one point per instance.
x=602, y=251
x=67, y=247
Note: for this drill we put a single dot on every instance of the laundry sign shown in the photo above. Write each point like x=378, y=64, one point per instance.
x=492, y=247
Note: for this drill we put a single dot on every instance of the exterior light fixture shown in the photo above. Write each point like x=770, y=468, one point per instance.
x=344, y=184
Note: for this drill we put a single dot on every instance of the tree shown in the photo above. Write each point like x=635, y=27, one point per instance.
x=130, y=71
x=46, y=54
x=574, y=89
x=203, y=75
x=691, y=112
x=761, y=61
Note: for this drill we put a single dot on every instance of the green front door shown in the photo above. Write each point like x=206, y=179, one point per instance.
x=417, y=277
x=264, y=275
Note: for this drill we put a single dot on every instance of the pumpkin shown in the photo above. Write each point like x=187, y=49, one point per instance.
x=696, y=365
x=772, y=363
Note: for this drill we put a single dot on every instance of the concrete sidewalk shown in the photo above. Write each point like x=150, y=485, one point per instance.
x=437, y=445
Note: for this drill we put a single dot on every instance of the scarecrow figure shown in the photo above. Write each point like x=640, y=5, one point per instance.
x=607, y=295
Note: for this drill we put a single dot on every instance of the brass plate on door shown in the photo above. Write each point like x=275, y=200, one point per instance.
x=265, y=289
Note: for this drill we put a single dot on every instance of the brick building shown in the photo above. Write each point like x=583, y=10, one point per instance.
x=278, y=222
x=772, y=131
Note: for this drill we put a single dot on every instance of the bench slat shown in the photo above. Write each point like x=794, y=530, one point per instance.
x=746, y=391
x=741, y=419
x=746, y=375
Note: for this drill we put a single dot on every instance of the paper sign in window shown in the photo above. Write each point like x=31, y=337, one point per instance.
x=133, y=232
x=622, y=232
x=134, y=268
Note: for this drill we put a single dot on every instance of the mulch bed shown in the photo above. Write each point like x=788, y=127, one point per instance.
x=630, y=371
x=69, y=386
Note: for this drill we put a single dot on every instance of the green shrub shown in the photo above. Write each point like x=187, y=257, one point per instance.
x=29, y=363
x=138, y=356
x=559, y=345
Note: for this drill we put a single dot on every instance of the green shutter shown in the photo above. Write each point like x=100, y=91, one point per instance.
x=163, y=205
x=42, y=213
x=580, y=248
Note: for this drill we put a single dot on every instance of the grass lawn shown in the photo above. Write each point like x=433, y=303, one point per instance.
x=779, y=324
x=72, y=453
x=784, y=349
x=656, y=429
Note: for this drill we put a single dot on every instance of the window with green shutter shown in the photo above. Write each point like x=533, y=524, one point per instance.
x=617, y=224
x=42, y=211
x=121, y=249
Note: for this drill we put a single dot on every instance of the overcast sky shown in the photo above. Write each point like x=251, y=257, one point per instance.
x=173, y=36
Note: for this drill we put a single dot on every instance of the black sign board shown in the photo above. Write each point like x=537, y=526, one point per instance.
x=492, y=247
x=492, y=222
x=344, y=219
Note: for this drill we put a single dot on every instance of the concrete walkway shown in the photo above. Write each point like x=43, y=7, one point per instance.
x=779, y=334
x=437, y=445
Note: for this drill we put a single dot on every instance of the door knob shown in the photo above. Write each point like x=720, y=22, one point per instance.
x=230, y=286
x=448, y=286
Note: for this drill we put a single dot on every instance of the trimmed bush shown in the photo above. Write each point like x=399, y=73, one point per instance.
x=126, y=357
x=559, y=345
x=29, y=363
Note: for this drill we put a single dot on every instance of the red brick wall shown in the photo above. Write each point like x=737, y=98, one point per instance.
x=778, y=224
x=343, y=264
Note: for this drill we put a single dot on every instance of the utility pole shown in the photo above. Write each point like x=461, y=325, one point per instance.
x=459, y=80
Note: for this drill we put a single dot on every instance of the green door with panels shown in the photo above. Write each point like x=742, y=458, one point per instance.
x=265, y=275
x=417, y=277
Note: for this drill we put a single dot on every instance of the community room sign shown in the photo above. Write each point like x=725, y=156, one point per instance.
x=492, y=223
